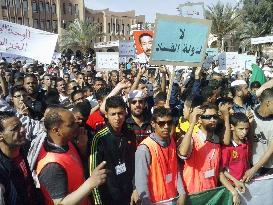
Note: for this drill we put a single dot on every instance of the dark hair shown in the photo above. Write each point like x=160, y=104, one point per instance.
x=30, y=75
x=98, y=79
x=80, y=74
x=75, y=92
x=266, y=94
x=161, y=112
x=53, y=118
x=194, y=101
x=17, y=89
x=59, y=80
x=3, y=116
x=207, y=92
x=224, y=100
x=114, y=71
x=238, y=117
x=115, y=102
x=161, y=96
x=52, y=97
x=102, y=93
x=255, y=84
x=207, y=106
x=83, y=108
x=48, y=75
x=142, y=35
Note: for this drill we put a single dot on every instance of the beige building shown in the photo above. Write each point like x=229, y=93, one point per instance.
x=115, y=25
x=48, y=15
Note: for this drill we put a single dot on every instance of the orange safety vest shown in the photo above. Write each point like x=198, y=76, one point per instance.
x=71, y=163
x=162, y=178
x=204, y=158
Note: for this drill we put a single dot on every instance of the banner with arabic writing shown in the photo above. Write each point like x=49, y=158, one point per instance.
x=26, y=41
x=179, y=40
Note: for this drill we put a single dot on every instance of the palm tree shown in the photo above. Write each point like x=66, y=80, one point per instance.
x=224, y=20
x=79, y=35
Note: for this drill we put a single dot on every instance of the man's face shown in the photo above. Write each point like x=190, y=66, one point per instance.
x=66, y=78
x=19, y=99
x=240, y=130
x=163, y=126
x=137, y=106
x=68, y=128
x=114, y=77
x=80, y=79
x=47, y=81
x=71, y=87
x=98, y=84
x=61, y=86
x=116, y=117
x=209, y=119
x=79, y=118
x=14, y=134
x=30, y=84
x=146, y=45
x=78, y=98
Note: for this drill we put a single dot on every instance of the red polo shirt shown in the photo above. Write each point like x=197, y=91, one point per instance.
x=96, y=121
x=235, y=159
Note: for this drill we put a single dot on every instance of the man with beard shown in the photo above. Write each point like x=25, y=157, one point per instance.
x=146, y=41
x=201, y=151
x=240, y=96
x=35, y=99
x=139, y=122
x=16, y=183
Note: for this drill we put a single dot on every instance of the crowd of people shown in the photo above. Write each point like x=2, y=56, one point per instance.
x=72, y=135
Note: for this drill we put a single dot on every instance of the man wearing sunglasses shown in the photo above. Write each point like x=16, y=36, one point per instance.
x=201, y=151
x=139, y=122
x=157, y=176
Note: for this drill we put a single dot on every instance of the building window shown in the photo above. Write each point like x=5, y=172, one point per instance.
x=34, y=7
x=100, y=39
x=64, y=24
x=41, y=5
x=110, y=38
x=128, y=29
x=26, y=21
x=12, y=19
x=35, y=23
x=77, y=9
x=54, y=8
x=117, y=28
x=4, y=3
x=101, y=28
x=54, y=26
x=64, y=8
x=114, y=28
x=42, y=25
x=109, y=28
x=11, y=3
x=47, y=7
x=48, y=25
x=18, y=4
x=122, y=29
x=25, y=5
x=70, y=9
x=20, y=21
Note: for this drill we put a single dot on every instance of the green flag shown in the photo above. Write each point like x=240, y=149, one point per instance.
x=218, y=196
x=257, y=74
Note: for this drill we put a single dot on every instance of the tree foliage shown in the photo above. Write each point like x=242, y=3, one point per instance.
x=224, y=19
x=79, y=35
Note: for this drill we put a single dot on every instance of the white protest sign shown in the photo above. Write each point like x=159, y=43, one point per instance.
x=259, y=192
x=56, y=57
x=246, y=61
x=107, y=44
x=228, y=60
x=192, y=10
x=107, y=61
x=260, y=40
x=126, y=48
x=26, y=41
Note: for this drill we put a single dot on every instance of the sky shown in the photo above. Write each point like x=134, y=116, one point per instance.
x=146, y=7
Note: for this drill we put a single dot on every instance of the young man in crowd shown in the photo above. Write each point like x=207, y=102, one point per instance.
x=157, y=176
x=116, y=145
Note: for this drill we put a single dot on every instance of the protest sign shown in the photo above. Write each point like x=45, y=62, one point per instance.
x=107, y=44
x=179, y=40
x=192, y=10
x=228, y=60
x=212, y=51
x=25, y=41
x=107, y=61
x=260, y=40
x=56, y=57
x=126, y=48
x=245, y=61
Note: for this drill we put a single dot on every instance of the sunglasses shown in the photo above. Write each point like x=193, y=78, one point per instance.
x=163, y=123
x=208, y=117
x=135, y=101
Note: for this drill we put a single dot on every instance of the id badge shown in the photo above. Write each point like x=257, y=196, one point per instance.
x=168, y=178
x=121, y=168
x=209, y=173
